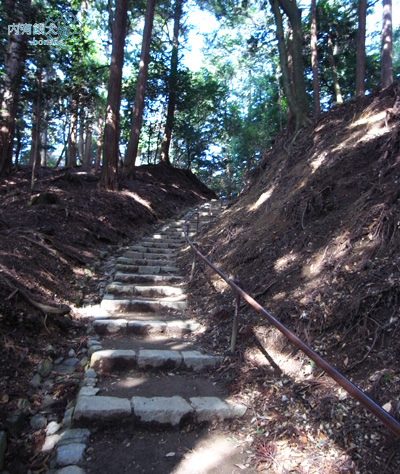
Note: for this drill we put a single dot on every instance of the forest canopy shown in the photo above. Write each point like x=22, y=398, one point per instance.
x=105, y=84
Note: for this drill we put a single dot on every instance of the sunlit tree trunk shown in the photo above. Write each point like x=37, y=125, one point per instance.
x=72, y=149
x=314, y=58
x=173, y=79
x=387, y=47
x=360, y=62
x=109, y=173
x=138, y=105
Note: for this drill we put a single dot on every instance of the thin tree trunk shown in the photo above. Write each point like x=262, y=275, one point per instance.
x=13, y=67
x=387, y=47
x=72, y=150
x=43, y=160
x=336, y=86
x=99, y=143
x=81, y=144
x=173, y=79
x=88, y=144
x=138, y=105
x=360, y=61
x=109, y=174
x=314, y=58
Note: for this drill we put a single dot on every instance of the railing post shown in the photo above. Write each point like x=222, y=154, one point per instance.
x=235, y=324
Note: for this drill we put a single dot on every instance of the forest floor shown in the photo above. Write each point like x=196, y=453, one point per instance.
x=314, y=237
x=55, y=241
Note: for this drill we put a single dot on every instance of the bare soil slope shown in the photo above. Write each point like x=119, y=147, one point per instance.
x=54, y=242
x=315, y=239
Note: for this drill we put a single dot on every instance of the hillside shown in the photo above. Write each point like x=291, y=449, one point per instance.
x=55, y=244
x=315, y=239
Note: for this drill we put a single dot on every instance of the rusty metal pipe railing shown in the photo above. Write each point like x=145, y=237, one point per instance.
x=350, y=388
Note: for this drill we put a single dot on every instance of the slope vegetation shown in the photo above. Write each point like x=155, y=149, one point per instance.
x=315, y=239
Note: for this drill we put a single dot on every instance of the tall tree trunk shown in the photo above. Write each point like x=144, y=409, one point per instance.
x=314, y=58
x=173, y=79
x=387, y=47
x=109, y=173
x=294, y=15
x=43, y=150
x=138, y=105
x=298, y=112
x=99, y=143
x=13, y=67
x=81, y=144
x=34, y=155
x=72, y=150
x=88, y=143
x=336, y=86
x=360, y=61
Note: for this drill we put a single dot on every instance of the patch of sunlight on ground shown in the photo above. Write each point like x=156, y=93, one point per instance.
x=365, y=129
x=137, y=198
x=318, y=161
x=207, y=457
x=286, y=261
x=263, y=198
x=314, y=267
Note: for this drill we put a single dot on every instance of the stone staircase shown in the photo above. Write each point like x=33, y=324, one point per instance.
x=144, y=370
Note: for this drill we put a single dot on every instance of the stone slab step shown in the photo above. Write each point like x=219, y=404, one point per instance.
x=148, y=305
x=155, y=238
x=123, y=359
x=150, y=291
x=144, y=249
x=173, y=411
x=144, y=261
x=147, y=256
x=145, y=269
x=144, y=328
x=140, y=278
x=160, y=244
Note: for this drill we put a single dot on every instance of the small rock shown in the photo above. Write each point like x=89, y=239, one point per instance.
x=67, y=420
x=52, y=428
x=70, y=454
x=93, y=349
x=83, y=350
x=84, y=362
x=58, y=361
x=38, y=422
x=23, y=405
x=65, y=369
x=93, y=342
x=50, y=442
x=50, y=350
x=16, y=421
x=170, y=455
x=76, y=435
x=71, y=362
x=45, y=368
x=88, y=391
x=3, y=447
x=388, y=407
x=90, y=374
x=71, y=353
x=36, y=380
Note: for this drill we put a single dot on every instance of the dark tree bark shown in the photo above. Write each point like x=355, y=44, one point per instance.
x=314, y=58
x=138, y=105
x=360, y=61
x=387, y=47
x=13, y=65
x=294, y=15
x=173, y=79
x=335, y=79
x=109, y=173
x=99, y=143
x=298, y=111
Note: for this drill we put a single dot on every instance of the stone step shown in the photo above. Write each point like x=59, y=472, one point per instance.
x=160, y=244
x=124, y=359
x=145, y=261
x=144, y=249
x=150, y=291
x=165, y=239
x=145, y=269
x=138, y=327
x=147, y=256
x=176, y=234
x=140, y=278
x=173, y=411
x=146, y=305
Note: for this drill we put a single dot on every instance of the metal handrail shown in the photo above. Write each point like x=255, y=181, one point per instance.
x=350, y=388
